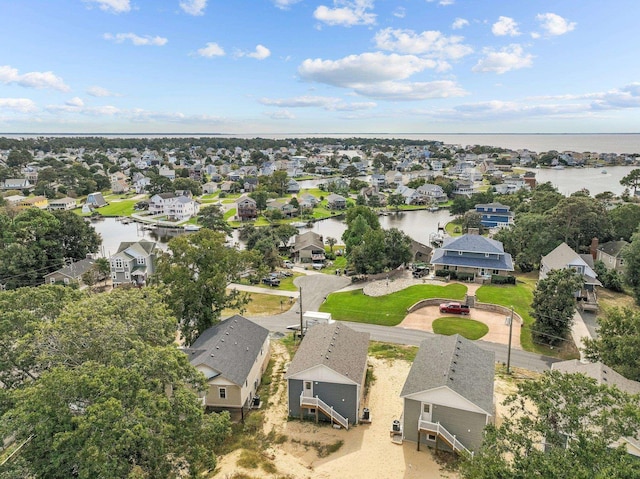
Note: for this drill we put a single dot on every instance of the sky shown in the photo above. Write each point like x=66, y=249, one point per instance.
x=319, y=66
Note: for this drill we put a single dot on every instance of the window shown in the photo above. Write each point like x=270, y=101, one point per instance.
x=426, y=408
x=459, y=253
x=141, y=260
x=222, y=392
x=126, y=276
x=307, y=385
x=118, y=263
x=52, y=280
x=431, y=437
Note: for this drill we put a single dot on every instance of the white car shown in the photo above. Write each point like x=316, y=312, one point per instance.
x=287, y=264
x=317, y=265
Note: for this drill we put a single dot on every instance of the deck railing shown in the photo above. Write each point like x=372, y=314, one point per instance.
x=440, y=430
x=325, y=408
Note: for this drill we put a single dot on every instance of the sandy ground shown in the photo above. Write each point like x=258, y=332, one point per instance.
x=498, y=331
x=367, y=452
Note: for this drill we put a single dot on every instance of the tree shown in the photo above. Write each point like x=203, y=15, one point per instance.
x=554, y=305
x=187, y=184
x=331, y=242
x=618, y=342
x=632, y=180
x=397, y=247
x=396, y=200
x=194, y=275
x=631, y=256
x=284, y=233
x=560, y=425
x=625, y=219
x=354, y=234
x=460, y=205
x=260, y=197
x=369, y=255
x=113, y=396
x=212, y=217
x=369, y=215
x=158, y=184
x=577, y=219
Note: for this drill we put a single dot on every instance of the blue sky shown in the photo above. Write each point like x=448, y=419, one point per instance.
x=319, y=66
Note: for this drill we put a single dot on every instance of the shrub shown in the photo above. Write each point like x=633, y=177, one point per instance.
x=501, y=279
x=442, y=273
x=465, y=276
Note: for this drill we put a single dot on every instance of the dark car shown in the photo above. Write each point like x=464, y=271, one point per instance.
x=420, y=272
x=454, y=308
x=271, y=281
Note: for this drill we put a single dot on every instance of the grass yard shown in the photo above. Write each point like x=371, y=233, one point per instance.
x=453, y=229
x=381, y=350
x=469, y=328
x=118, y=208
x=387, y=310
x=229, y=214
x=262, y=305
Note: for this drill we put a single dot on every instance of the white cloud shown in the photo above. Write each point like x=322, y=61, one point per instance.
x=193, y=7
x=212, y=49
x=284, y=4
x=325, y=102
x=431, y=43
x=444, y=3
x=282, y=115
x=112, y=6
x=261, y=52
x=400, y=12
x=98, y=91
x=554, y=24
x=459, y=23
x=411, y=91
x=346, y=13
x=365, y=68
x=40, y=80
x=75, y=101
x=505, y=26
x=137, y=40
x=20, y=105
x=508, y=58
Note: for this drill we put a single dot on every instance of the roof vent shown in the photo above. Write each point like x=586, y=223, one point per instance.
x=227, y=333
x=222, y=340
x=236, y=343
x=217, y=347
x=247, y=348
x=213, y=355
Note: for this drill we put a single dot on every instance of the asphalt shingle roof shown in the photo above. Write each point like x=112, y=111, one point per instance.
x=456, y=363
x=335, y=346
x=230, y=347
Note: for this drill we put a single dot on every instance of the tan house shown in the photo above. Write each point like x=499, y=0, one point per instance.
x=610, y=254
x=308, y=247
x=64, y=204
x=232, y=355
x=40, y=202
x=247, y=208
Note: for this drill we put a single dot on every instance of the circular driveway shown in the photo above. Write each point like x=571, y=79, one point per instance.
x=423, y=318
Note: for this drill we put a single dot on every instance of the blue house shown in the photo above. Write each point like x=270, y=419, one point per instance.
x=495, y=215
x=472, y=253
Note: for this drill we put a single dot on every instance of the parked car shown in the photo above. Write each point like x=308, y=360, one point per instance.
x=286, y=274
x=317, y=265
x=271, y=281
x=454, y=308
x=287, y=264
x=420, y=272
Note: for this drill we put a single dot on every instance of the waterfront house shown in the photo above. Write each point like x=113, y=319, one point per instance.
x=448, y=394
x=95, y=200
x=134, y=262
x=326, y=378
x=308, y=247
x=336, y=202
x=233, y=355
x=247, y=208
x=432, y=193
x=40, y=202
x=174, y=207
x=494, y=215
x=63, y=204
x=472, y=253
x=564, y=257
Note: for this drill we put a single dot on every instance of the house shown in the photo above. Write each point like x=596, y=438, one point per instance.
x=209, y=188
x=607, y=376
x=494, y=215
x=247, y=208
x=119, y=182
x=133, y=263
x=64, y=204
x=433, y=193
x=326, y=378
x=463, y=188
x=564, y=257
x=293, y=186
x=610, y=254
x=232, y=355
x=174, y=207
x=95, y=200
x=421, y=252
x=167, y=173
x=472, y=253
x=448, y=394
x=336, y=202
x=71, y=273
x=40, y=202
x=16, y=184
x=308, y=247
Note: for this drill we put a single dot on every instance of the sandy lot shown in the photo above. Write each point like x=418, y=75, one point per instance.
x=367, y=452
x=498, y=331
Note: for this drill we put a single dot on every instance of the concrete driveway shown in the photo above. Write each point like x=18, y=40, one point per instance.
x=423, y=318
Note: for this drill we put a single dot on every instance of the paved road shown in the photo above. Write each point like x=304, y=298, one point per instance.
x=315, y=289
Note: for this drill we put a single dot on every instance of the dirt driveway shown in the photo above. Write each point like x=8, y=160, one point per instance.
x=423, y=318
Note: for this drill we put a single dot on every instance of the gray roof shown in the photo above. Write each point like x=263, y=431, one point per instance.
x=230, y=347
x=563, y=256
x=476, y=246
x=335, y=346
x=142, y=247
x=308, y=238
x=492, y=205
x=613, y=248
x=601, y=373
x=454, y=362
x=473, y=244
x=75, y=270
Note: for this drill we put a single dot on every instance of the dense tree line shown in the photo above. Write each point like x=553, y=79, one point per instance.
x=95, y=387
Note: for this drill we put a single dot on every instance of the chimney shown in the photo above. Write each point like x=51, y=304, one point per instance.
x=593, y=249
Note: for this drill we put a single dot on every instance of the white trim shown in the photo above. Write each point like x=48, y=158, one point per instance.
x=445, y=396
x=322, y=373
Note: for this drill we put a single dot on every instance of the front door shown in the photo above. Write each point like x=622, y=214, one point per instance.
x=307, y=390
x=426, y=412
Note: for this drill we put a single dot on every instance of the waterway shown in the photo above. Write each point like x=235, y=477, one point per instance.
x=596, y=180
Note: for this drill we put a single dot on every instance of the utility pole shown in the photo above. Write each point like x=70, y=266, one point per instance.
x=509, y=350
x=300, y=306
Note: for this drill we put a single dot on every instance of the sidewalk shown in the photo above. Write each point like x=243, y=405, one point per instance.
x=579, y=331
x=257, y=289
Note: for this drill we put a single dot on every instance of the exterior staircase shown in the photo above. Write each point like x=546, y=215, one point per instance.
x=320, y=405
x=439, y=430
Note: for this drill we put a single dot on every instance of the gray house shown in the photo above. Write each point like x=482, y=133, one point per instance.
x=96, y=200
x=232, y=355
x=308, y=247
x=326, y=378
x=448, y=394
x=133, y=263
x=70, y=273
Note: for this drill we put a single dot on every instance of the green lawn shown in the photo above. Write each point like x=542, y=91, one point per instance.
x=229, y=214
x=453, y=229
x=469, y=328
x=286, y=284
x=120, y=208
x=387, y=310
